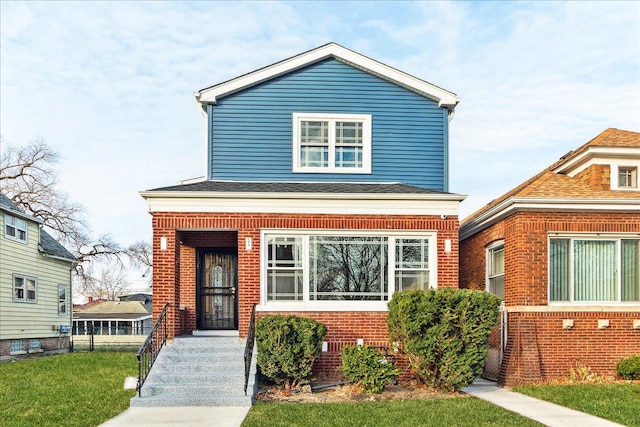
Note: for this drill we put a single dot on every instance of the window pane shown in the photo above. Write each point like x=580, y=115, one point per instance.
x=595, y=266
x=348, y=268
x=31, y=290
x=559, y=270
x=496, y=286
x=411, y=279
x=348, y=133
x=348, y=157
x=630, y=270
x=627, y=177
x=496, y=263
x=314, y=132
x=18, y=288
x=315, y=157
x=284, y=269
x=412, y=253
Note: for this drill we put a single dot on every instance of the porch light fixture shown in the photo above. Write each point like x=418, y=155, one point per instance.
x=447, y=245
x=567, y=323
x=248, y=243
x=603, y=323
x=636, y=323
x=163, y=243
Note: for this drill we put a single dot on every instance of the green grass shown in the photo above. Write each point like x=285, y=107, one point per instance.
x=615, y=402
x=78, y=389
x=459, y=411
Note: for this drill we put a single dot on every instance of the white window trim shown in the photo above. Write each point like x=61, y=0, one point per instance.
x=306, y=304
x=16, y=238
x=587, y=236
x=615, y=169
x=489, y=249
x=365, y=119
x=25, y=299
x=66, y=300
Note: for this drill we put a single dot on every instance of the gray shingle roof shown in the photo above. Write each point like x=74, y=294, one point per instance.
x=300, y=187
x=50, y=246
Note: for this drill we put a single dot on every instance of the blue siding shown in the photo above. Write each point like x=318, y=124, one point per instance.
x=252, y=130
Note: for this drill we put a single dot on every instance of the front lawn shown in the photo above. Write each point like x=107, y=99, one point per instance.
x=616, y=402
x=78, y=389
x=455, y=411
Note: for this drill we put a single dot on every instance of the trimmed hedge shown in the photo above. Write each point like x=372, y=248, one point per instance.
x=368, y=366
x=629, y=368
x=444, y=333
x=287, y=348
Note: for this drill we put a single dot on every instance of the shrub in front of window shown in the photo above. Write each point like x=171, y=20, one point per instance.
x=367, y=366
x=629, y=368
x=444, y=333
x=287, y=348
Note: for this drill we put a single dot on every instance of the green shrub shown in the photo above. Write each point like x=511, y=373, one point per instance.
x=444, y=333
x=629, y=368
x=368, y=366
x=287, y=348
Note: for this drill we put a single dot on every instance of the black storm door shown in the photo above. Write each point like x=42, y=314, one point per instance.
x=217, y=289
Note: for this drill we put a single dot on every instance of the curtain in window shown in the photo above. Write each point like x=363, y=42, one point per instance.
x=595, y=275
x=559, y=270
x=630, y=270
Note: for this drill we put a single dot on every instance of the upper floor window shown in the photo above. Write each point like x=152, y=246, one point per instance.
x=627, y=177
x=495, y=269
x=24, y=288
x=594, y=269
x=15, y=228
x=329, y=143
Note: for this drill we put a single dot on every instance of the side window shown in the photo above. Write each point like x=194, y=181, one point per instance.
x=62, y=299
x=495, y=269
x=15, y=228
x=24, y=288
x=627, y=177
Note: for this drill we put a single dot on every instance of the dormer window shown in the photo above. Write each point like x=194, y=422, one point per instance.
x=332, y=143
x=627, y=177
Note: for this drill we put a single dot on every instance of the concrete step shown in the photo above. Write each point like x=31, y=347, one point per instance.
x=199, y=371
x=159, y=401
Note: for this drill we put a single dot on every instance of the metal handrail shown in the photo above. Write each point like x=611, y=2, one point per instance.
x=149, y=350
x=248, y=348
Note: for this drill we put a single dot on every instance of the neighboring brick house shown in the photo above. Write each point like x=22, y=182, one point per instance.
x=562, y=249
x=326, y=191
x=35, y=287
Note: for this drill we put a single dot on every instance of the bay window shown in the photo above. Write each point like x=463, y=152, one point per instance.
x=335, y=267
x=594, y=269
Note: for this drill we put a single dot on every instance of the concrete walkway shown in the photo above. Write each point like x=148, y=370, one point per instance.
x=547, y=413
x=188, y=416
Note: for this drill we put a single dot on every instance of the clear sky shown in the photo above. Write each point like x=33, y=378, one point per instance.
x=110, y=84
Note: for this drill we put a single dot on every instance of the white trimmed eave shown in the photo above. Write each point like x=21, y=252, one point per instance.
x=523, y=204
x=304, y=203
x=22, y=215
x=444, y=98
x=575, y=164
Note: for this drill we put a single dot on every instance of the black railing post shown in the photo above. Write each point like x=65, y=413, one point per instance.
x=248, y=348
x=151, y=347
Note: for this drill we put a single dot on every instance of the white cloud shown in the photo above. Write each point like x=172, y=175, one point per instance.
x=110, y=84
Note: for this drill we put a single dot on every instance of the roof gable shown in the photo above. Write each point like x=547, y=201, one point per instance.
x=444, y=98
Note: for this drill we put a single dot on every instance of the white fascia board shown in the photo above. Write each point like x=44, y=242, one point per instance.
x=590, y=156
x=513, y=205
x=305, y=203
x=209, y=96
x=22, y=215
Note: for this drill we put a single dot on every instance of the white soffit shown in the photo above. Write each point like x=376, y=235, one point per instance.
x=304, y=203
x=513, y=205
x=445, y=98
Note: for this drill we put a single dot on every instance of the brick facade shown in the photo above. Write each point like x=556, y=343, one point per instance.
x=539, y=348
x=174, y=274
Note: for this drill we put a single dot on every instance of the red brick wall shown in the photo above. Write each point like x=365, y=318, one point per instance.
x=526, y=268
x=174, y=268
